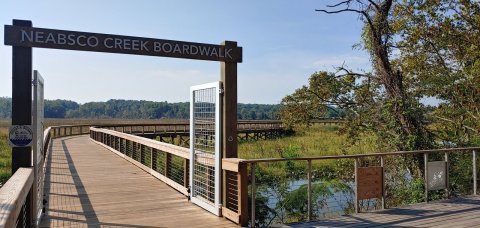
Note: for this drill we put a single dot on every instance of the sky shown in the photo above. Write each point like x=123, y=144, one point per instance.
x=284, y=42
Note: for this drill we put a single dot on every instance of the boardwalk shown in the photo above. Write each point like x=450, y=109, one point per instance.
x=89, y=186
x=460, y=212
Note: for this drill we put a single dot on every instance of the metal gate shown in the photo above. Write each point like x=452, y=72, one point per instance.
x=205, y=140
x=38, y=150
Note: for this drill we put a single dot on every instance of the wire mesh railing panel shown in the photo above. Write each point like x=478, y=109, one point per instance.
x=147, y=156
x=204, y=121
x=161, y=158
x=136, y=152
x=404, y=180
x=231, y=184
x=460, y=174
x=333, y=187
x=22, y=217
x=176, y=170
x=280, y=195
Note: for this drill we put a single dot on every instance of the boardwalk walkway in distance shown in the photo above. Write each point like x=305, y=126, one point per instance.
x=453, y=213
x=89, y=186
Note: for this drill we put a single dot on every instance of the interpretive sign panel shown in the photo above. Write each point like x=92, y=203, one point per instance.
x=20, y=135
x=437, y=175
x=85, y=41
x=369, y=182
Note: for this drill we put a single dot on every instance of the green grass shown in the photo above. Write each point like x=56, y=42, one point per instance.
x=5, y=156
x=318, y=140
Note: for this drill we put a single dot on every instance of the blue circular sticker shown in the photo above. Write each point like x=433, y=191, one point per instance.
x=20, y=135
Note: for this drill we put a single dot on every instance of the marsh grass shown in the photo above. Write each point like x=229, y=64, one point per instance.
x=5, y=156
x=318, y=140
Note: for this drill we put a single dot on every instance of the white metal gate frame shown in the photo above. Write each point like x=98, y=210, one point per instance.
x=213, y=207
x=37, y=148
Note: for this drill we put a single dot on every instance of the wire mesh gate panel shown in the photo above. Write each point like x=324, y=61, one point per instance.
x=38, y=153
x=205, y=139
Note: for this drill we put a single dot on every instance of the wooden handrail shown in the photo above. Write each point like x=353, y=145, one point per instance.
x=166, y=147
x=13, y=196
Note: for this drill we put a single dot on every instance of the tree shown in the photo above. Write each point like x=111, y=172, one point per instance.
x=377, y=102
x=440, y=54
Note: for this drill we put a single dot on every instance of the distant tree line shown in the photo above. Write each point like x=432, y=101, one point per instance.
x=133, y=109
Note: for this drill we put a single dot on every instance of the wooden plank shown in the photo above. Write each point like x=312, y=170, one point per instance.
x=182, y=189
x=229, y=214
x=231, y=164
x=83, y=190
x=459, y=212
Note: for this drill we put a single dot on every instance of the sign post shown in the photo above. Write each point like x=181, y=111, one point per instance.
x=23, y=37
x=22, y=106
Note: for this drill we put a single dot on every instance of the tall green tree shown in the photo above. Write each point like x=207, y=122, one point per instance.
x=439, y=46
x=419, y=49
x=377, y=102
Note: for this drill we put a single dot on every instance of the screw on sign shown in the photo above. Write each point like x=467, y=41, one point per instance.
x=20, y=135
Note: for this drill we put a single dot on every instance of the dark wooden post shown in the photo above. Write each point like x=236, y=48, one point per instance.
x=229, y=118
x=21, y=96
x=229, y=79
x=22, y=106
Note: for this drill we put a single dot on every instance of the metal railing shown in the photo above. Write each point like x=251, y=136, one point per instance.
x=16, y=195
x=15, y=201
x=167, y=162
x=284, y=190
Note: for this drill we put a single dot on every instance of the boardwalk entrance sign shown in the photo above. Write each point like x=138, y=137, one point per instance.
x=23, y=37
x=85, y=41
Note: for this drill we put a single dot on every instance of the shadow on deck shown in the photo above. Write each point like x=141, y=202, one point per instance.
x=457, y=212
x=89, y=186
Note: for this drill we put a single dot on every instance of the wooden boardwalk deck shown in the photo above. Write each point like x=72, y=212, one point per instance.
x=453, y=213
x=89, y=186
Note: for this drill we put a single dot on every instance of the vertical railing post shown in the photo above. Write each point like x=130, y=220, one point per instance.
x=474, y=167
x=186, y=171
x=242, y=193
x=356, y=185
x=254, y=192
x=309, y=189
x=151, y=158
x=382, y=164
x=425, y=161
x=447, y=190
